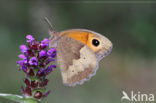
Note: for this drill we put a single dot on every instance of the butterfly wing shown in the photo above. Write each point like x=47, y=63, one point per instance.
x=77, y=61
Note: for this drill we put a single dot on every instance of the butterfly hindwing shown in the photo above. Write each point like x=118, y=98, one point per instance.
x=77, y=62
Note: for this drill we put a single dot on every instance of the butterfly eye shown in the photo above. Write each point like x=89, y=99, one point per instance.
x=95, y=42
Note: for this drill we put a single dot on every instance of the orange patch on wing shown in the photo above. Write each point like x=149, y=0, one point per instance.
x=83, y=37
x=79, y=36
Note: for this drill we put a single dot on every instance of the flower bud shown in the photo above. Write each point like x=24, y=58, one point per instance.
x=34, y=84
x=30, y=72
x=38, y=95
x=27, y=82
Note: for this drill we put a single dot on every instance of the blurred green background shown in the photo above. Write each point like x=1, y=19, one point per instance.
x=130, y=26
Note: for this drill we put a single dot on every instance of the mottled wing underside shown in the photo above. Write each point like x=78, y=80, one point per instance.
x=77, y=62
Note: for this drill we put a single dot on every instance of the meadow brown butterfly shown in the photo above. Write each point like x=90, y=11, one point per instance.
x=78, y=53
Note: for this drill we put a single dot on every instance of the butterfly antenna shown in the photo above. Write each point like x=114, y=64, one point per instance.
x=49, y=24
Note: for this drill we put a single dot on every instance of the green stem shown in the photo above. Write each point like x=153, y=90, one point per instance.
x=30, y=101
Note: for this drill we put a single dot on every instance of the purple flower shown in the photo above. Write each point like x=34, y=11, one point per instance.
x=30, y=38
x=51, y=66
x=49, y=69
x=48, y=60
x=44, y=43
x=51, y=52
x=22, y=66
x=23, y=57
x=46, y=94
x=40, y=71
x=20, y=62
x=42, y=53
x=33, y=61
x=51, y=59
x=23, y=48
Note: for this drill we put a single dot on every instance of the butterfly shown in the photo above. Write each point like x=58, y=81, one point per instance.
x=78, y=53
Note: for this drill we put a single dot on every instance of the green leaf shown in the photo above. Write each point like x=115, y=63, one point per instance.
x=12, y=97
x=18, y=98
